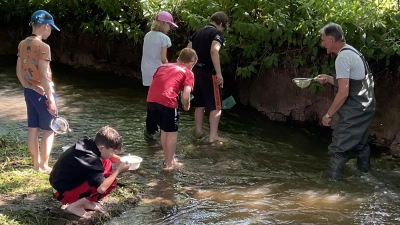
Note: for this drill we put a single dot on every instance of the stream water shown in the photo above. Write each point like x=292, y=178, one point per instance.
x=268, y=173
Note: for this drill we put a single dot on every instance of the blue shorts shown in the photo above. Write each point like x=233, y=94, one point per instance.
x=166, y=118
x=38, y=115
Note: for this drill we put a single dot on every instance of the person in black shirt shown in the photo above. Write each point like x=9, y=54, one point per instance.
x=83, y=173
x=207, y=42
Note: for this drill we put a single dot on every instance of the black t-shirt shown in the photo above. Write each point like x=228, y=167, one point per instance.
x=201, y=43
x=80, y=163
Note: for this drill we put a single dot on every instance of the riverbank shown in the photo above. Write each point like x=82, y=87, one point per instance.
x=26, y=195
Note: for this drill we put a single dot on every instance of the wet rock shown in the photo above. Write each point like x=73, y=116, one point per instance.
x=395, y=147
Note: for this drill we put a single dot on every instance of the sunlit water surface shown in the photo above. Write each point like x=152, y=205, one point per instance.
x=268, y=173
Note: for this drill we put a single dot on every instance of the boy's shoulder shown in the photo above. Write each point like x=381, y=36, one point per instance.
x=33, y=41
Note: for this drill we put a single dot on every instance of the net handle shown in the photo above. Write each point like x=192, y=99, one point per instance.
x=303, y=79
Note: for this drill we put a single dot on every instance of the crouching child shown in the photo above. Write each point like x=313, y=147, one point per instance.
x=83, y=174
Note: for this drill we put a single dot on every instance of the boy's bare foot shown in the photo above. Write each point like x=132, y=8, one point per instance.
x=174, y=165
x=218, y=140
x=93, y=206
x=198, y=135
x=77, y=211
x=45, y=169
x=168, y=169
x=177, y=164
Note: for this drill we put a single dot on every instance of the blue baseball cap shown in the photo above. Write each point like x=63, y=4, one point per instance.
x=43, y=17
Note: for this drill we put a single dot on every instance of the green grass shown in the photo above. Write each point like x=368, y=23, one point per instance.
x=18, y=179
x=24, y=181
x=16, y=173
x=4, y=219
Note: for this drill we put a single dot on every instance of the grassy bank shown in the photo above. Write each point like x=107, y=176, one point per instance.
x=26, y=196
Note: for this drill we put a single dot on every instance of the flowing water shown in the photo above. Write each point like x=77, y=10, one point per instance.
x=268, y=173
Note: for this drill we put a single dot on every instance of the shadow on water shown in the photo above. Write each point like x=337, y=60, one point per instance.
x=268, y=173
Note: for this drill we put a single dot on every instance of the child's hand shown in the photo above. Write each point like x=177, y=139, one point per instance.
x=186, y=107
x=123, y=167
x=220, y=80
x=51, y=107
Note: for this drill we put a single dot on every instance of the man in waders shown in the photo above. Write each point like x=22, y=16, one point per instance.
x=354, y=102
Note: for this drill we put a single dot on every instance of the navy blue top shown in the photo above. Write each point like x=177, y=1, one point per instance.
x=79, y=163
x=201, y=43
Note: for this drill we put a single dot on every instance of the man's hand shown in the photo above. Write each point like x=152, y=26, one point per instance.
x=326, y=121
x=323, y=79
x=220, y=80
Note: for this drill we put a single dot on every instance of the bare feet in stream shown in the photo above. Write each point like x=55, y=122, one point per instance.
x=218, y=140
x=174, y=165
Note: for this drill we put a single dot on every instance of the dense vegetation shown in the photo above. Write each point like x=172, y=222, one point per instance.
x=263, y=33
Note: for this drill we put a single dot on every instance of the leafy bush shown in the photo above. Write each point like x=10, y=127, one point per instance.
x=263, y=33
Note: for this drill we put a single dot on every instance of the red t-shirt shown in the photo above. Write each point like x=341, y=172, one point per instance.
x=168, y=80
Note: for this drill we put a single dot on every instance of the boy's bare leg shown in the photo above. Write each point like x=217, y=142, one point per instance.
x=33, y=146
x=168, y=143
x=77, y=209
x=45, y=149
x=215, y=116
x=198, y=118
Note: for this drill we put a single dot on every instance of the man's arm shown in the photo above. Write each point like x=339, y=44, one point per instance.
x=214, y=52
x=339, y=100
x=189, y=45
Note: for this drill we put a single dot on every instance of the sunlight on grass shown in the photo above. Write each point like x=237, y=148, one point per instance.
x=4, y=219
x=23, y=181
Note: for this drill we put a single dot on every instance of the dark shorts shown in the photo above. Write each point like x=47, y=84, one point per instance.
x=85, y=190
x=166, y=118
x=206, y=92
x=38, y=115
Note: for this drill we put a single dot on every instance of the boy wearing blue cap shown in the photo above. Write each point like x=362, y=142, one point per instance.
x=34, y=73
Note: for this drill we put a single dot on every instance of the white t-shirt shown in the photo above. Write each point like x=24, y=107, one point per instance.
x=349, y=65
x=151, y=59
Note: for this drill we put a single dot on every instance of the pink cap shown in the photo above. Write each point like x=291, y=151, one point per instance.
x=166, y=17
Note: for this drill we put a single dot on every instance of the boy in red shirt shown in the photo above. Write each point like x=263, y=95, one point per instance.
x=162, y=104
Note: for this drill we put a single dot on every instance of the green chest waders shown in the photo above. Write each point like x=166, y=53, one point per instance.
x=351, y=132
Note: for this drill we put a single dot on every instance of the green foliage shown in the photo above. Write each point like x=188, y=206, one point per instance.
x=262, y=33
x=268, y=34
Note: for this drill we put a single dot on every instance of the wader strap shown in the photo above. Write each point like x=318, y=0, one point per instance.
x=366, y=66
